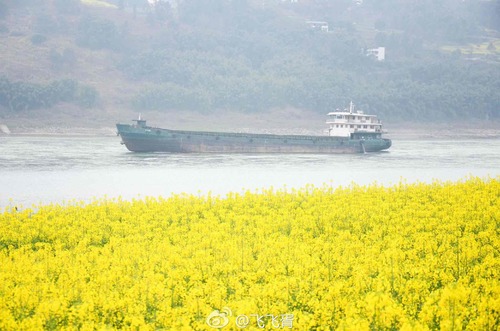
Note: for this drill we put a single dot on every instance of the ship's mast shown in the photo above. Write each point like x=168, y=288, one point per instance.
x=140, y=122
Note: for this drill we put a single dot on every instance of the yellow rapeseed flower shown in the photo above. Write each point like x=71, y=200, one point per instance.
x=406, y=257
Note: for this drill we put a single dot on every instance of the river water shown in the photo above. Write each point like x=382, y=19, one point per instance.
x=44, y=169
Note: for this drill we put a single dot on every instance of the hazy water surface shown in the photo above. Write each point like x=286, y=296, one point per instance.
x=42, y=169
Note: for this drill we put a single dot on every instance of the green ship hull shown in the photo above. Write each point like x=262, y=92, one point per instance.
x=142, y=138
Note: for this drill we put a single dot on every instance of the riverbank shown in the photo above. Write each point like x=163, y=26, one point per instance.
x=281, y=121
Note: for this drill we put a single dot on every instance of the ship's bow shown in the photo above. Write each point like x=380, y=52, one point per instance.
x=387, y=143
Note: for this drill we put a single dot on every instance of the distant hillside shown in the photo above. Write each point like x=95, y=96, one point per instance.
x=106, y=58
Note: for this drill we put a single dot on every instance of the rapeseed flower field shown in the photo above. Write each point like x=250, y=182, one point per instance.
x=405, y=257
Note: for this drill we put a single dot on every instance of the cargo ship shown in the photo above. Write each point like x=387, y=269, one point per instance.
x=349, y=131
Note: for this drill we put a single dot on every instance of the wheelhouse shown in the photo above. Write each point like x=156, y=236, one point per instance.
x=353, y=124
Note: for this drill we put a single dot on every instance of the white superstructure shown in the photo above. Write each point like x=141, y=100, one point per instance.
x=348, y=122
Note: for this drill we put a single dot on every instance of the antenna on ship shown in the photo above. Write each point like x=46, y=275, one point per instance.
x=351, y=107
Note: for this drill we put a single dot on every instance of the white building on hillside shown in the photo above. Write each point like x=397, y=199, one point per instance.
x=318, y=25
x=378, y=53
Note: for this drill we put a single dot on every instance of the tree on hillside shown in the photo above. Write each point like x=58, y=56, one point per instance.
x=20, y=96
x=163, y=11
x=489, y=12
x=45, y=23
x=88, y=97
x=433, y=20
x=4, y=9
x=137, y=4
x=209, y=13
x=62, y=60
x=96, y=33
x=67, y=6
